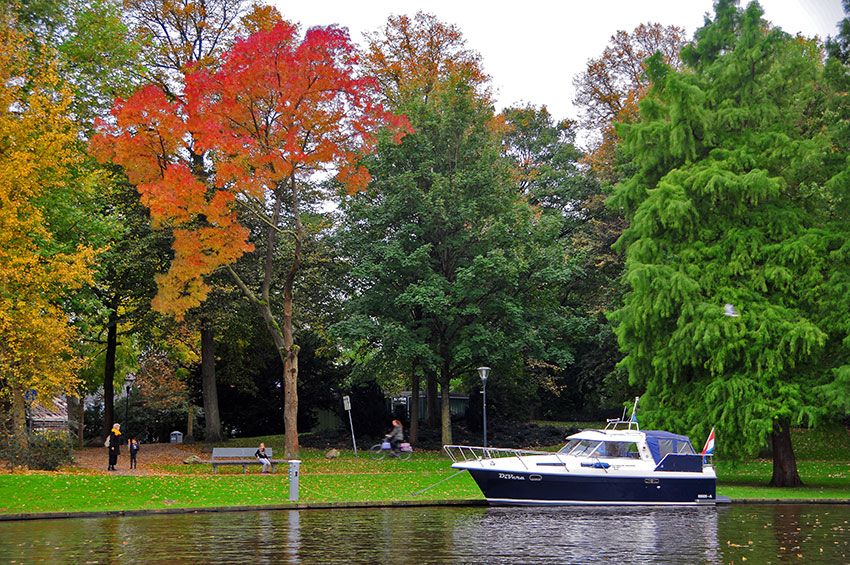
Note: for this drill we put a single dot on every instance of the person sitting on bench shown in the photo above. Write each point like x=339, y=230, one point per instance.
x=263, y=457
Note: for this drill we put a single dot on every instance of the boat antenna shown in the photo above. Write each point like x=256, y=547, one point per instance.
x=623, y=417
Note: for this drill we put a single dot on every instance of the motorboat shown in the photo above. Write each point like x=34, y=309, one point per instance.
x=620, y=464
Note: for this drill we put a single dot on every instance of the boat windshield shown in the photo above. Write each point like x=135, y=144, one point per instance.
x=595, y=448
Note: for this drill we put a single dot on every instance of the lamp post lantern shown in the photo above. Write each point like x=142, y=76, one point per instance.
x=128, y=381
x=484, y=372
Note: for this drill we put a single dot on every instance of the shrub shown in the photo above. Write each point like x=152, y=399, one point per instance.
x=47, y=451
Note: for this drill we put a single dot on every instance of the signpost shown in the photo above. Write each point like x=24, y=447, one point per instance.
x=346, y=403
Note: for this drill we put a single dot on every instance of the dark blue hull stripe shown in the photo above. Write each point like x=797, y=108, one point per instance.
x=537, y=488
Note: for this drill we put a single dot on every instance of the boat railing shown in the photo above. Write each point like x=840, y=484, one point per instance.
x=472, y=453
x=620, y=424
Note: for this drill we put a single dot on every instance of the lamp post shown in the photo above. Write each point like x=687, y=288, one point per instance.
x=128, y=381
x=484, y=372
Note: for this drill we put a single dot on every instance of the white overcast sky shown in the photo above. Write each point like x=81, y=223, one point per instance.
x=533, y=48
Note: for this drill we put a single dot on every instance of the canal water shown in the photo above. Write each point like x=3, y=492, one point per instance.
x=725, y=534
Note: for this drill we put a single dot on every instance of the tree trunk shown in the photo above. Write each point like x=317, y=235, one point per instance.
x=445, y=380
x=190, y=423
x=288, y=352
x=109, y=371
x=784, y=462
x=431, y=398
x=5, y=411
x=290, y=363
x=446, y=414
x=290, y=381
x=75, y=418
x=282, y=333
x=81, y=429
x=414, y=406
x=212, y=419
x=19, y=420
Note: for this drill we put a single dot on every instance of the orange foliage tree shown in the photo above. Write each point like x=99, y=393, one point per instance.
x=609, y=89
x=279, y=109
x=179, y=34
x=416, y=57
x=37, y=153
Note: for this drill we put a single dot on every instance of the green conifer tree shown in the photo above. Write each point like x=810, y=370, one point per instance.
x=730, y=205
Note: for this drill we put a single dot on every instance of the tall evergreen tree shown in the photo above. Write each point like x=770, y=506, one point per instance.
x=836, y=394
x=728, y=207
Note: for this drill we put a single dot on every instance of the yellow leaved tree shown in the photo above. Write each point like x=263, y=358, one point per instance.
x=38, y=151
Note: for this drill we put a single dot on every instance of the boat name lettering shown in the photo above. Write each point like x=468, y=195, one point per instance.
x=511, y=476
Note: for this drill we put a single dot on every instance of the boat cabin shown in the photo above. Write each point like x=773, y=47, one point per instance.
x=650, y=446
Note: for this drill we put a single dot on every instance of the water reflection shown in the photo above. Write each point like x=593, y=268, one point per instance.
x=578, y=534
x=444, y=535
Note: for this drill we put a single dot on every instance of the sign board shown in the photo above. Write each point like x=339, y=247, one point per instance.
x=31, y=394
x=346, y=403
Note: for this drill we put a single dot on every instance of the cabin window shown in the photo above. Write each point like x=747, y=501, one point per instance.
x=569, y=446
x=622, y=449
x=580, y=447
x=684, y=447
x=594, y=448
x=666, y=446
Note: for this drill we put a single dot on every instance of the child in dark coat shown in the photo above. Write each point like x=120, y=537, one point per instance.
x=134, y=451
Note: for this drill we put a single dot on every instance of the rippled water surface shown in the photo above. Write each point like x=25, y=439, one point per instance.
x=759, y=533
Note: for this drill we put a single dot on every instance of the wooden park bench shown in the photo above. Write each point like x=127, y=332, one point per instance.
x=239, y=456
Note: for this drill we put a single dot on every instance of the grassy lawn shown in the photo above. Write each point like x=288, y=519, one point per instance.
x=822, y=479
x=345, y=479
x=823, y=462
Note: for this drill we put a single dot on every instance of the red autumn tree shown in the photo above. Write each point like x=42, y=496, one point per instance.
x=278, y=110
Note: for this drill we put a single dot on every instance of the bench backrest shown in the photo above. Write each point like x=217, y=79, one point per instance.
x=241, y=452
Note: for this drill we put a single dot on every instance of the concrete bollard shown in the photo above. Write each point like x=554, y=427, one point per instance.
x=294, y=466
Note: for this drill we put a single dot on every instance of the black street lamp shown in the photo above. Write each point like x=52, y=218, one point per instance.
x=128, y=381
x=484, y=372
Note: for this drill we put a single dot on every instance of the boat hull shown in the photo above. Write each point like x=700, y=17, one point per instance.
x=500, y=487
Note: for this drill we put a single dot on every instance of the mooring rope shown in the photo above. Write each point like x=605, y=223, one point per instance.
x=418, y=492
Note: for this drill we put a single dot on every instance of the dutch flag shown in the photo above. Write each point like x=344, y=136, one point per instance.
x=709, y=444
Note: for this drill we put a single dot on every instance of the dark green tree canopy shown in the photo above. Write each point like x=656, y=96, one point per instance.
x=451, y=267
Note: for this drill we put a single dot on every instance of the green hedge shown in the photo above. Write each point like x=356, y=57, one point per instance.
x=47, y=451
